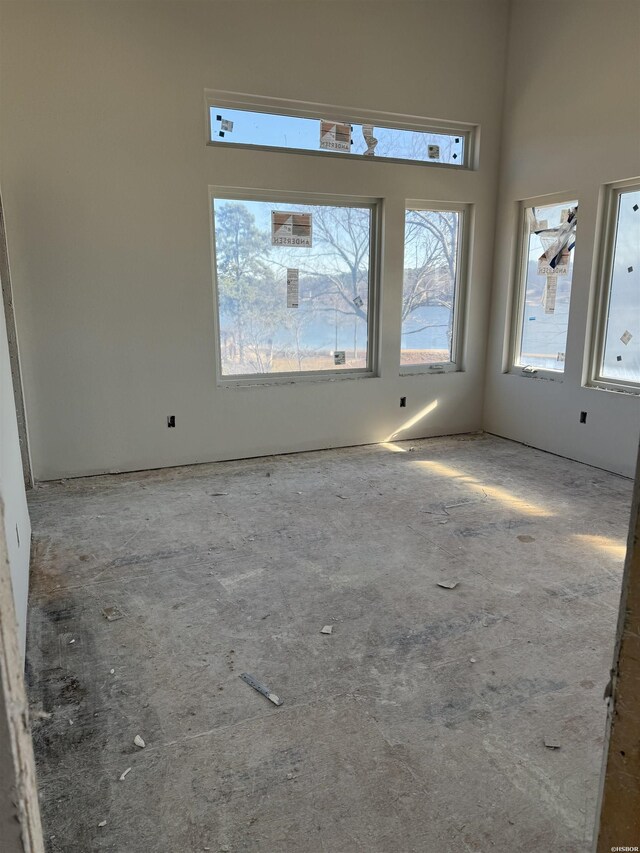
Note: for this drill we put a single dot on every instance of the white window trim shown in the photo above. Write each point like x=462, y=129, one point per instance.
x=456, y=364
x=519, y=289
x=604, y=269
x=308, y=109
x=280, y=196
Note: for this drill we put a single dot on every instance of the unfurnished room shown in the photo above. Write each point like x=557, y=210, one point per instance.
x=319, y=426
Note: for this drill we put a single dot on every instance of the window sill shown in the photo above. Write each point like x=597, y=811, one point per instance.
x=428, y=370
x=268, y=380
x=612, y=387
x=537, y=373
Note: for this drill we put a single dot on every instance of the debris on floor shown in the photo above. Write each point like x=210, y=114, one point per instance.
x=42, y=715
x=525, y=538
x=112, y=614
x=71, y=642
x=327, y=629
x=125, y=774
x=261, y=688
x=139, y=742
x=552, y=741
x=448, y=584
x=102, y=823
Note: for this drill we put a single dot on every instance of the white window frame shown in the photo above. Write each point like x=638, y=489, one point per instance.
x=520, y=285
x=375, y=249
x=465, y=211
x=613, y=192
x=307, y=109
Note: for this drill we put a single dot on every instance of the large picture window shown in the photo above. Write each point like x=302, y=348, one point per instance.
x=433, y=240
x=294, y=285
x=544, y=285
x=618, y=345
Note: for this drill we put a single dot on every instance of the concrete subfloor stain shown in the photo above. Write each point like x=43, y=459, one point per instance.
x=418, y=725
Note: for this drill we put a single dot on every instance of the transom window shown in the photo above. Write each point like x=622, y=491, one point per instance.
x=295, y=285
x=296, y=126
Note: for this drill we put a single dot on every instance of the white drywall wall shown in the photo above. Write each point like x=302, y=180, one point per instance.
x=12, y=491
x=572, y=125
x=105, y=178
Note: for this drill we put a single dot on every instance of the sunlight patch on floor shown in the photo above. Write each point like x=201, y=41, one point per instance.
x=504, y=496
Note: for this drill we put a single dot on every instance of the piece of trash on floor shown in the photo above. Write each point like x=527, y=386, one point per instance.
x=139, y=742
x=448, y=584
x=125, y=774
x=472, y=660
x=261, y=688
x=552, y=741
x=327, y=629
x=102, y=823
x=71, y=642
x=218, y=494
x=112, y=672
x=523, y=537
x=43, y=715
x=342, y=497
x=112, y=614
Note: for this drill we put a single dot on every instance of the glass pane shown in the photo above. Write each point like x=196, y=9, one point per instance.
x=622, y=341
x=547, y=287
x=293, y=286
x=429, y=285
x=314, y=134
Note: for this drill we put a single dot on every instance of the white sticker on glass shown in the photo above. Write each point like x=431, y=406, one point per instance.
x=293, y=277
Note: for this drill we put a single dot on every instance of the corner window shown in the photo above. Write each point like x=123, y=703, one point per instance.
x=618, y=338
x=295, y=286
x=543, y=291
x=433, y=241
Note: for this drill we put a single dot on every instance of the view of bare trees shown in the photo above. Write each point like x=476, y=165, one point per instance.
x=259, y=334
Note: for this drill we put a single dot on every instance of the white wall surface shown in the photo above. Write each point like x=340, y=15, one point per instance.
x=12, y=492
x=572, y=125
x=105, y=178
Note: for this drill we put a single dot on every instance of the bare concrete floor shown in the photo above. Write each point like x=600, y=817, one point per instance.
x=418, y=725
